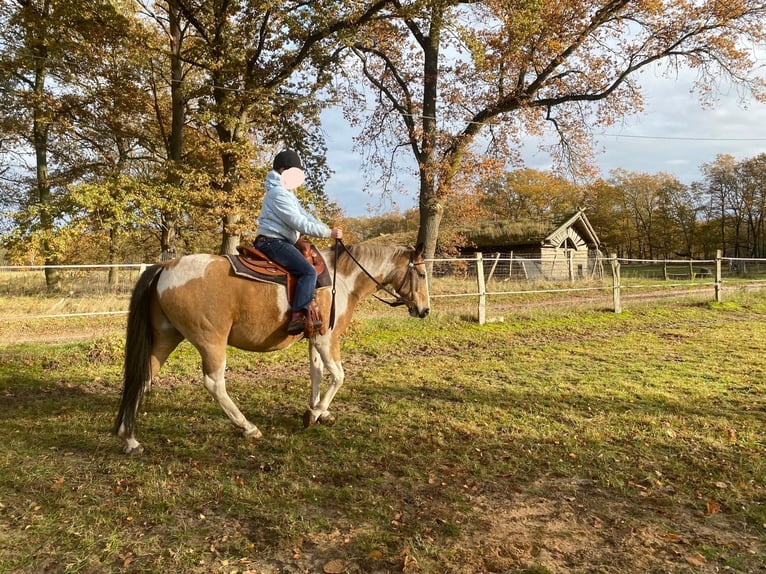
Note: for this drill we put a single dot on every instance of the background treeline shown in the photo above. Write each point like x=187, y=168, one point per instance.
x=636, y=215
x=136, y=130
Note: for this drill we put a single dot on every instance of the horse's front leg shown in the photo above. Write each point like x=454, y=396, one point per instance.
x=321, y=355
x=213, y=369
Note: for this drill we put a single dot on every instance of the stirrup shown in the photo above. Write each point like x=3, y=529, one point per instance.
x=297, y=325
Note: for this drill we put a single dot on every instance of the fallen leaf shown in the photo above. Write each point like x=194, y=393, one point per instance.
x=58, y=483
x=721, y=485
x=597, y=523
x=696, y=559
x=336, y=566
x=376, y=555
x=409, y=564
x=712, y=508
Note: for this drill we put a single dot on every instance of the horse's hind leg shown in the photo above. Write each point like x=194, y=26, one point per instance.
x=164, y=342
x=213, y=370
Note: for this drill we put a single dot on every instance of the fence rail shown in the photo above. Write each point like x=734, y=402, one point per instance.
x=480, y=286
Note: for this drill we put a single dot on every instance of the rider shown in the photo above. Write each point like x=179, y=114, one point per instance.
x=281, y=222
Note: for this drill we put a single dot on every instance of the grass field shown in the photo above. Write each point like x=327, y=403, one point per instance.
x=558, y=441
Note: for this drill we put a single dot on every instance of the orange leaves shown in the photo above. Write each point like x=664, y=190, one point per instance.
x=696, y=559
x=712, y=507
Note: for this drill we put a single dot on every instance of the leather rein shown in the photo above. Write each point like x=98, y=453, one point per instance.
x=398, y=299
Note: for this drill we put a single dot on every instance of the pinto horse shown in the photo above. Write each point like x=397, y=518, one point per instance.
x=199, y=298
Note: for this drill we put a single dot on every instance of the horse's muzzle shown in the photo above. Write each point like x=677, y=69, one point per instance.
x=419, y=313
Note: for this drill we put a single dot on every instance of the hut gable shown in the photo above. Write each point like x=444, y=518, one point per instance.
x=574, y=233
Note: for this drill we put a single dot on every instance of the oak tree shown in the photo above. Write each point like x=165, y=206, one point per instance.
x=453, y=78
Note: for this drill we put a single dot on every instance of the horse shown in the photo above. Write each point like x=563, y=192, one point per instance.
x=198, y=298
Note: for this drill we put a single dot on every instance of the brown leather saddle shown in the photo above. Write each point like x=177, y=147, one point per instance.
x=251, y=263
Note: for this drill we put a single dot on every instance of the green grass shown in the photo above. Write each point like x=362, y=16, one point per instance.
x=641, y=434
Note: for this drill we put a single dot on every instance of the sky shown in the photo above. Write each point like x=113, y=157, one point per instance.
x=673, y=134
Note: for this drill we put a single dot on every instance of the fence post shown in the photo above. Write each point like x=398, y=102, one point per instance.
x=570, y=265
x=718, y=284
x=494, y=266
x=482, y=288
x=616, y=284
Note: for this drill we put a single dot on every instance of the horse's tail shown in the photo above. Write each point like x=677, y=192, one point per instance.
x=138, y=349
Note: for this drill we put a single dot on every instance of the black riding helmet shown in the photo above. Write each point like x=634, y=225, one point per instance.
x=286, y=159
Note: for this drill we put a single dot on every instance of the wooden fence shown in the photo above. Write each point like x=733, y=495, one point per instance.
x=491, y=283
x=478, y=287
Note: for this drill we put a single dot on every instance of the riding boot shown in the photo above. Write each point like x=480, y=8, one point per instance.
x=297, y=323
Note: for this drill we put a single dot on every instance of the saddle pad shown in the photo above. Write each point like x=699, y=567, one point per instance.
x=241, y=270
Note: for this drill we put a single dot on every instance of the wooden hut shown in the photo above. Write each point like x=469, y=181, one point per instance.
x=554, y=250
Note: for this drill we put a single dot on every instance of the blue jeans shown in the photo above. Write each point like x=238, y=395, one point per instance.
x=288, y=256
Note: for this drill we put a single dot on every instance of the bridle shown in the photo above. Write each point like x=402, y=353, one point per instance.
x=398, y=299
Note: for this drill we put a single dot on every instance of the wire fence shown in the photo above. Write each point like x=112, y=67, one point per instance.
x=481, y=287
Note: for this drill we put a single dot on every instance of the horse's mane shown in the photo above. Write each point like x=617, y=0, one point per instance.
x=365, y=252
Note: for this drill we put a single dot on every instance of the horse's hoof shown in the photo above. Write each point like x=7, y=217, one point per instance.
x=134, y=450
x=326, y=418
x=308, y=419
x=253, y=433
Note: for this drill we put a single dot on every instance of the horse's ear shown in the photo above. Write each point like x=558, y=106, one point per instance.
x=419, y=249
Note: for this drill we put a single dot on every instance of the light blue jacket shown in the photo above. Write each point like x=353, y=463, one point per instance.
x=283, y=216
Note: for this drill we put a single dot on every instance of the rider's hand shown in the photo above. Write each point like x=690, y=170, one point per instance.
x=336, y=233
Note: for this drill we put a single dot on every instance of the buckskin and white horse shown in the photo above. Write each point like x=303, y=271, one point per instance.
x=199, y=298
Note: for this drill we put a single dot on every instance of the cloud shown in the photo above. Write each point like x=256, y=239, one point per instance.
x=676, y=135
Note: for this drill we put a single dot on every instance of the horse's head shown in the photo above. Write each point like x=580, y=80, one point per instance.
x=413, y=286
x=400, y=272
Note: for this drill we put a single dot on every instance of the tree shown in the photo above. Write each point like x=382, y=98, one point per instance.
x=45, y=45
x=265, y=66
x=721, y=181
x=657, y=213
x=170, y=73
x=603, y=202
x=737, y=201
x=753, y=181
x=451, y=76
x=530, y=194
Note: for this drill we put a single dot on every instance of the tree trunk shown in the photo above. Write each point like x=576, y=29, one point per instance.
x=40, y=129
x=431, y=208
x=231, y=235
x=168, y=238
x=175, y=144
x=431, y=211
x=114, y=272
